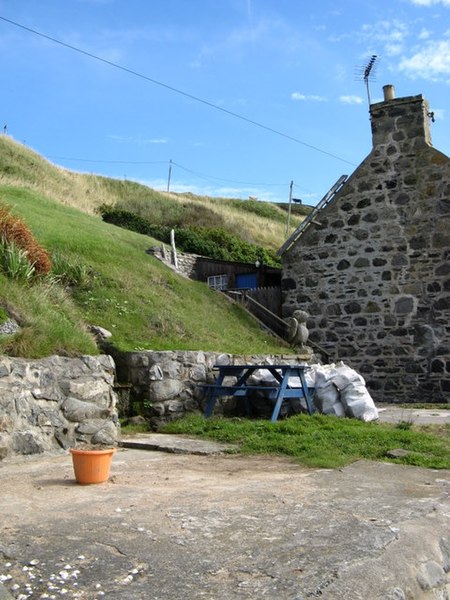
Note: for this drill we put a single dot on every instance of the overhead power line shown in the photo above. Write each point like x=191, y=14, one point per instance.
x=115, y=162
x=162, y=162
x=176, y=90
x=225, y=180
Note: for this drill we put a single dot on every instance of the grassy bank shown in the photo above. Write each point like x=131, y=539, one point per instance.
x=124, y=289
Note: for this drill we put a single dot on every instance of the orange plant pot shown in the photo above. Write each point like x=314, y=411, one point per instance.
x=91, y=466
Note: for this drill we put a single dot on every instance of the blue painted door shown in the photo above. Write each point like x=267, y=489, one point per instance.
x=246, y=281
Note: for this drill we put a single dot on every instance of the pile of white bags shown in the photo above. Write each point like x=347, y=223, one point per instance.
x=338, y=390
x=341, y=391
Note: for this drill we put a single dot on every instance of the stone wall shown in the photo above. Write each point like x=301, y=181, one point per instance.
x=373, y=271
x=55, y=403
x=169, y=383
x=186, y=263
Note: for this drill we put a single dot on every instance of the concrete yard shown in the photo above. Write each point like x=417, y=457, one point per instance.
x=173, y=526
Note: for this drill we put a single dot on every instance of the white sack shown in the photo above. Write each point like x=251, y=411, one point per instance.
x=342, y=391
x=358, y=402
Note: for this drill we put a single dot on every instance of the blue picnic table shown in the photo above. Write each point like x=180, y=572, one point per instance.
x=280, y=391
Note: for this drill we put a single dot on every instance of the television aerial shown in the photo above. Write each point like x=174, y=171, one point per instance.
x=366, y=73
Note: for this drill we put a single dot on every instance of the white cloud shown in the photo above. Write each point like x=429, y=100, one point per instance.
x=432, y=62
x=219, y=191
x=96, y=1
x=391, y=34
x=439, y=113
x=134, y=139
x=431, y=2
x=236, y=40
x=424, y=34
x=393, y=49
x=351, y=99
x=307, y=97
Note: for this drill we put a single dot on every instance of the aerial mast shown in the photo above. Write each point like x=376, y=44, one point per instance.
x=367, y=73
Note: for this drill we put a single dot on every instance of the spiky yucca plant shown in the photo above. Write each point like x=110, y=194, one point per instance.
x=14, y=261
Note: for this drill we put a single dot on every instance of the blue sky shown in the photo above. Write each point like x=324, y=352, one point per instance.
x=292, y=66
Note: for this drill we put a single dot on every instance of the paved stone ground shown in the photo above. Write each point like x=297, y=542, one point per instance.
x=170, y=526
x=190, y=522
x=389, y=413
x=175, y=444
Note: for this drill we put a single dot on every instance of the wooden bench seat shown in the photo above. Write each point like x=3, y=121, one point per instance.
x=239, y=391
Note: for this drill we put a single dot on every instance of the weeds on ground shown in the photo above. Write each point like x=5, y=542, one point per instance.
x=130, y=429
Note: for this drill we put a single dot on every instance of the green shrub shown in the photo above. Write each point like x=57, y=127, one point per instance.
x=125, y=219
x=216, y=243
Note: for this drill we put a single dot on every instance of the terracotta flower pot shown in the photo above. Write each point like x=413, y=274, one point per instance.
x=91, y=466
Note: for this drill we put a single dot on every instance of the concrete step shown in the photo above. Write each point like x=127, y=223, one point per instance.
x=176, y=444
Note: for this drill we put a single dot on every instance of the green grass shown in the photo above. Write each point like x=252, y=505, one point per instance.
x=122, y=288
x=131, y=429
x=50, y=321
x=108, y=279
x=321, y=441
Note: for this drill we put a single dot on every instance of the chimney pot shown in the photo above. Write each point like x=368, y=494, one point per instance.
x=389, y=92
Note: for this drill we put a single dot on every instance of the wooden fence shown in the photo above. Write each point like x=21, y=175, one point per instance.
x=269, y=297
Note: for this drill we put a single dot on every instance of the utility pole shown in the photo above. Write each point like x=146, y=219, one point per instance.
x=170, y=175
x=289, y=208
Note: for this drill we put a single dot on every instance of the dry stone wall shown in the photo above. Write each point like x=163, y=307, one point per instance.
x=55, y=403
x=374, y=271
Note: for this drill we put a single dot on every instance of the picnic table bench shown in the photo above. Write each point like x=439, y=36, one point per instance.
x=281, y=390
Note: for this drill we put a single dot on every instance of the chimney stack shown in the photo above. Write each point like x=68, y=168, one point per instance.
x=400, y=122
x=389, y=92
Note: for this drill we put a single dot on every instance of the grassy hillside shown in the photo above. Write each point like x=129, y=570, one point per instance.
x=254, y=221
x=120, y=287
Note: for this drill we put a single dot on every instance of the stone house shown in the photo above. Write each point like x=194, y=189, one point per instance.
x=372, y=268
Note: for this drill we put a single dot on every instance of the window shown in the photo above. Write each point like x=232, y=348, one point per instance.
x=218, y=282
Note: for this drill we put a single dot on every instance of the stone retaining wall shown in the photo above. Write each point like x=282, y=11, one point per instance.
x=55, y=403
x=58, y=402
x=169, y=383
x=186, y=263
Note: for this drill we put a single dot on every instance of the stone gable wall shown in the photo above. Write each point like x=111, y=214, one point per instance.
x=55, y=403
x=374, y=273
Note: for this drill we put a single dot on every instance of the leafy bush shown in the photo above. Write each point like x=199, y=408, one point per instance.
x=18, y=237
x=124, y=218
x=215, y=243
